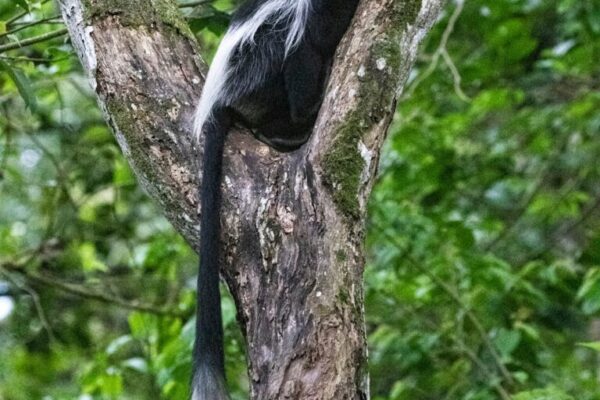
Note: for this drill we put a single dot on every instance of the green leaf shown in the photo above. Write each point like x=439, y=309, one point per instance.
x=137, y=324
x=122, y=175
x=210, y=18
x=118, y=344
x=228, y=310
x=23, y=4
x=529, y=330
x=89, y=258
x=22, y=84
x=112, y=383
x=397, y=390
x=589, y=292
x=2, y=27
x=550, y=393
x=136, y=364
x=590, y=345
x=507, y=341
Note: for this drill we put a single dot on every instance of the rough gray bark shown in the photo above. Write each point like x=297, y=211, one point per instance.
x=292, y=223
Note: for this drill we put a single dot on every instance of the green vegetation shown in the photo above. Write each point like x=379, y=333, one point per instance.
x=483, y=276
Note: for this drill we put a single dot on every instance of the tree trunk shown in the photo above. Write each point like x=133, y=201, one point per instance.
x=293, y=224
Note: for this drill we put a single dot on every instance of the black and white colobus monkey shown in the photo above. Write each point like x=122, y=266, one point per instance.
x=268, y=74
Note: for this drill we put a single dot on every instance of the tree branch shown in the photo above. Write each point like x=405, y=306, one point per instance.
x=36, y=301
x=439, y=52
x=20, y=15
x=292, y=223
x=33, y=40
x=49, y=20
x=89, y=293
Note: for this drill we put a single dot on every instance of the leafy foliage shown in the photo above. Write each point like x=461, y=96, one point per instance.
x=484, y=223
x=483, y=279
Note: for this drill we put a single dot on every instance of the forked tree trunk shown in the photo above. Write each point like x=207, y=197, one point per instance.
x=292, y=223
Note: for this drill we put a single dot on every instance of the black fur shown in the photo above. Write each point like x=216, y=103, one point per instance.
x=277, y=96
x=208, y=348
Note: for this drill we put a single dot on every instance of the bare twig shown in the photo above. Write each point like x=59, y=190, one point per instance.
x=88, y=293
x=50, y=20
x=502, y=392
x=33, y=40
x=528, y=199
x=7, y=142
x=456, y=76
x=36, y=59
x=435, y=59
x=57, y=33
x=62, y=174
x=564, y=231
x=17, y=17
x=54, y=20
x=36, y=301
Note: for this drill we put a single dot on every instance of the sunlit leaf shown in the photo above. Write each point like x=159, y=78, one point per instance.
x=591, y=345
x=22, y=83
x=23, y=3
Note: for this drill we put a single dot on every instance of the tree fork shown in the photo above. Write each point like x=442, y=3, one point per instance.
x=293, y=224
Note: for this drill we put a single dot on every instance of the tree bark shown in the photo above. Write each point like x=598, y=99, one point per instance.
x=293, y=224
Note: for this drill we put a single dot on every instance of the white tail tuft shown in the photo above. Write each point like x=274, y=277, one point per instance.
x=208, y=384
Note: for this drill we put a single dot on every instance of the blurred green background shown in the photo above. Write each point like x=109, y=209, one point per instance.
x=483, y=278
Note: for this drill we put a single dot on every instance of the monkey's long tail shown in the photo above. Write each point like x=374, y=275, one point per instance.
x=209, y=372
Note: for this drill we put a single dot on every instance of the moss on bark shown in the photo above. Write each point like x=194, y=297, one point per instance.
x=139, y=13
x=344, y=164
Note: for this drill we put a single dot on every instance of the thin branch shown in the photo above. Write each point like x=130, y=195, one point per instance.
x=12, y=20
x=49, y=20
x=36, y=301
x=57, y=33
x=55, y=20
x=510, y=226
x=464, y=348
x=502, y=392
x=89, y=293
x=439, y=52
x=7, y=141
x=528, y=199
x=195, y=3
x=516, y=221
x=36, y=59
x=564, y=231
x=456, y=76
x=459, y=301
x=62, y=174
x=33, y=40
x=17, y=17
x=582, y=219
